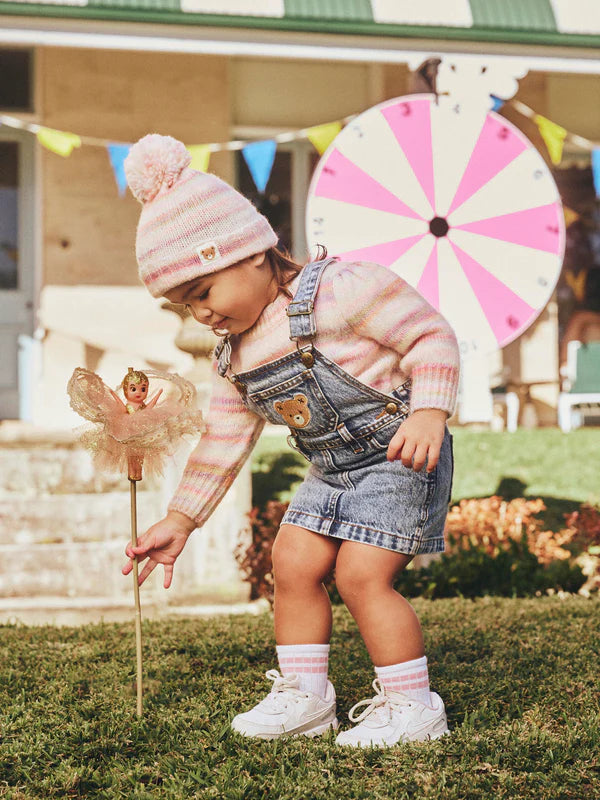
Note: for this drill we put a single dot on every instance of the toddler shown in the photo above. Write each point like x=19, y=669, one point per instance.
x=364, y=373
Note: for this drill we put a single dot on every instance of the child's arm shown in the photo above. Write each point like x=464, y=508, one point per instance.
x=396, y=316
x=232, y=431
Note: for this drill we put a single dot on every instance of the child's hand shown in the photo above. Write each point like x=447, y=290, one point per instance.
x=419, y=439
x=161, y=544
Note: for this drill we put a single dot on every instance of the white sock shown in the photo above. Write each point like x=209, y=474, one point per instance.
x=309, y=662
x=411, y=678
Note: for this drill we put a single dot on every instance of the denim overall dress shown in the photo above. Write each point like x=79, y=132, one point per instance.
x=343, y=427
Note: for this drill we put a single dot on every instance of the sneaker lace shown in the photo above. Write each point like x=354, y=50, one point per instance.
x=284, y=689
x=382, y=704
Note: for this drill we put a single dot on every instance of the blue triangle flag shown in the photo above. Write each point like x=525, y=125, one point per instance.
x=259, y=157
x=596, y=170
x=117, y=154
x=497, y=102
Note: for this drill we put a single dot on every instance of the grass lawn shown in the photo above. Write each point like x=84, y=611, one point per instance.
x=519, y=678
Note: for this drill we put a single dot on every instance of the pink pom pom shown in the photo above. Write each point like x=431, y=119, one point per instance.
x=153, y=162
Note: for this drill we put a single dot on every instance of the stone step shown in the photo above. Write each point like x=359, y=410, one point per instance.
x=82, y=569
x=74, y=518
x=32, y=469
x=36, y=462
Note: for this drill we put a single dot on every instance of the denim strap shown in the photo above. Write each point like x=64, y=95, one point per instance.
x=301, y=310
x=222, y=353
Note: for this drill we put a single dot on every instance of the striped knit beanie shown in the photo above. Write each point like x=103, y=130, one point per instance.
x=192, y=223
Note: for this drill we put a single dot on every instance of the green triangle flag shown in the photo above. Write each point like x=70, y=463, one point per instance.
x=59, y=142
x=200, y=157
x=322, y=136
x=553, y=136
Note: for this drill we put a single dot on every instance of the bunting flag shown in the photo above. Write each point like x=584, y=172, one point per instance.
x=117, y=154
x=570, y=216
x=200, y=156
x=259, y=157
x=554, y=137
x=596, y=170
x=59, y=142
x=576, y=283
x=321, y=136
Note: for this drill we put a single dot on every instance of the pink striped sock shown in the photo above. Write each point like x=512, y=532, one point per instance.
x=409, y=677
x=309, y=662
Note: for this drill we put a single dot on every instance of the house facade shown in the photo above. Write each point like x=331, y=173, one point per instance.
x=214, y=72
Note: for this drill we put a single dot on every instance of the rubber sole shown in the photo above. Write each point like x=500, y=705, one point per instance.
x=319, y=730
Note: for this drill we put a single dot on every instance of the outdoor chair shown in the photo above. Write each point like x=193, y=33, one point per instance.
x=582, y=385
x=509, y=399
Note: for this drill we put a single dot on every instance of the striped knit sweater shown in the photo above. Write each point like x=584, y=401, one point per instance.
x=370, y=322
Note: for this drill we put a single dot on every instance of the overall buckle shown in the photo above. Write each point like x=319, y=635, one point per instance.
x=300, y=308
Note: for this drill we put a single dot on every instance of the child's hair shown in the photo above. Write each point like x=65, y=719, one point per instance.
x=134, y=376
x=285, y=268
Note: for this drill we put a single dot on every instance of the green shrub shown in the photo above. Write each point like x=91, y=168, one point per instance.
x=485, y=556
x=473, y=572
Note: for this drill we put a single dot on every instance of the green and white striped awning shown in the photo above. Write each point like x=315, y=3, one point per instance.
x=560, y=35
x=550, y=22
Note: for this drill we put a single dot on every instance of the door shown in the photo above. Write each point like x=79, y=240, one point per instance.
x=16, y=268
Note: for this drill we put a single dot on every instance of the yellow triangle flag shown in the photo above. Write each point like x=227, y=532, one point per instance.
x=570, y=216
x=322, y=136
x=200, y=157
x=59, y=142
x=553, y=135
x=577, y=283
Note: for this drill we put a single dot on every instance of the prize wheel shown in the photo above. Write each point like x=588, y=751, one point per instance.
x=460, y=205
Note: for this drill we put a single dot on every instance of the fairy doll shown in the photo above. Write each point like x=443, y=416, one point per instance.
x=125, y=434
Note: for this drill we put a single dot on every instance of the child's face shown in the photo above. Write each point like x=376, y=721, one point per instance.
x=231, y=299
x=135, y=392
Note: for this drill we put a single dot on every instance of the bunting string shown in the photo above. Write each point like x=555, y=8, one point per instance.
x=259, y=155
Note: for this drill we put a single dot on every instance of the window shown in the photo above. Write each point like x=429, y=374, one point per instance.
x=15, y=80
x=284, y=200
x=9, y=198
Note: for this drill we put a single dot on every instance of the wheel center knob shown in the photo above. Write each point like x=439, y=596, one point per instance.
x=439, y=227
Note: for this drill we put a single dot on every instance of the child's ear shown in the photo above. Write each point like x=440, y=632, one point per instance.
x=258, y=260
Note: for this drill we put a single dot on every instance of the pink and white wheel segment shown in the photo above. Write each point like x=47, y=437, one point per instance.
x=460, y=205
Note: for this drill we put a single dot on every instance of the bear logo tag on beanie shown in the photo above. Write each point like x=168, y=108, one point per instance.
x=208, y=252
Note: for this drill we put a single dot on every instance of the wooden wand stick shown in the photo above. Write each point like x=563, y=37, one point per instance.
x=136, y=594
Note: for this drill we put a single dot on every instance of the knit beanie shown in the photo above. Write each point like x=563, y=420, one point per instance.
x=192, y=223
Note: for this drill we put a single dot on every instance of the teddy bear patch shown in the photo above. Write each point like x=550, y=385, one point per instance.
x=295, y=412
x=208, y=252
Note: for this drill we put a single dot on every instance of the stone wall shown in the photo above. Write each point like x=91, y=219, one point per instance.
x=63, y=528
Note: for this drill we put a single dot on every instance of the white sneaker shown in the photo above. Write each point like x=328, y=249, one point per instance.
x=392, y=717
x=286, y=711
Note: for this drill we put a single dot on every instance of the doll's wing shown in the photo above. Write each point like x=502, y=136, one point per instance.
x=90, y=397
x=185, y=392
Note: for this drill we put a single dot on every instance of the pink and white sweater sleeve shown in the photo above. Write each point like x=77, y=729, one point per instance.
x=396, y=316
x=231, y=433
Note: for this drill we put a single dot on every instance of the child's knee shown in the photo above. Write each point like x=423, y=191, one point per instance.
x=354, y=581
x=293, y=564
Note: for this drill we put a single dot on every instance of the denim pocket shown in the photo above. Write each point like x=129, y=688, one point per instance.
x=298, y=403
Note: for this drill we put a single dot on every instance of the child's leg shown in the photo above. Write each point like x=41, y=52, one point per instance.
x=387, y=622
x=303, y=700
x=403, y=708
x=302, y=560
